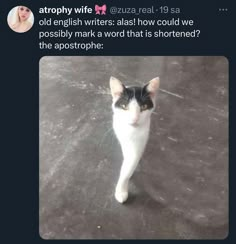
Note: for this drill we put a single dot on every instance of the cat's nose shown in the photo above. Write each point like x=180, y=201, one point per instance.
x=134, y=121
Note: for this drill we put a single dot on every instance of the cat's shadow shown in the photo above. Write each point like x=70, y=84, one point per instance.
x=131, y=199
x=142, y=198
x=144, y=202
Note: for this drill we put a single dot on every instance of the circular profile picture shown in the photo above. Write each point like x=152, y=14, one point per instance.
x=20, y=19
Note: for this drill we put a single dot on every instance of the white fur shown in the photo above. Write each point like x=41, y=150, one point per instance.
x=133, y=139
x=132, y=130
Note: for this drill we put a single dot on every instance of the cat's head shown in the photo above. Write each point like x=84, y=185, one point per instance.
x=133, y=105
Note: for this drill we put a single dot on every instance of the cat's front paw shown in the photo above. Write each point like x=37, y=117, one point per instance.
x=121, y=196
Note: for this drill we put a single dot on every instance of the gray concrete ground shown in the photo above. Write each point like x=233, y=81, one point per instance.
x=180, y=188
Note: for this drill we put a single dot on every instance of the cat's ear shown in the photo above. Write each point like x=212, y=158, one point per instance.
x=153, y=86
x=116, y=87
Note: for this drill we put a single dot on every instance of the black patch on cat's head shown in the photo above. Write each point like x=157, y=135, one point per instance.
x=141, y=95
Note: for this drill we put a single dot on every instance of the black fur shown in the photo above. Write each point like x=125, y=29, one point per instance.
x=142, y=97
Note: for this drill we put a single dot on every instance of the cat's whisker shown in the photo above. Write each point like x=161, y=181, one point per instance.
x=107, y=122
x=112, y=139
x=105, y=134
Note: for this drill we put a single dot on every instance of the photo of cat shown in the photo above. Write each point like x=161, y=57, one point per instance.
x=133, y=147
x=132, y=108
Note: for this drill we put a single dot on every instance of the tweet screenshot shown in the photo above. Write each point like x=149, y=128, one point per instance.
x=116, y=120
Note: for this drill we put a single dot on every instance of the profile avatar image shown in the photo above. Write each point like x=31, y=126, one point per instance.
x=20, y=19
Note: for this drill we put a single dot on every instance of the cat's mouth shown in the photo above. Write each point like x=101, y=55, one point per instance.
x=134, y=124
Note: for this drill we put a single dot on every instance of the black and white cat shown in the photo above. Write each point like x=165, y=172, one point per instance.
x=132, y=108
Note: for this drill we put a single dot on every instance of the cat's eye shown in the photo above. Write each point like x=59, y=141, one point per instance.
x=144, y=107
x=125, y=107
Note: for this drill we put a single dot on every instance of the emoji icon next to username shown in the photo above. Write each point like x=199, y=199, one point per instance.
x=101, y=10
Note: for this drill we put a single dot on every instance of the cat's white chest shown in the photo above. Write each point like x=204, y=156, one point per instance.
x=129, y=132
x=132, y=138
